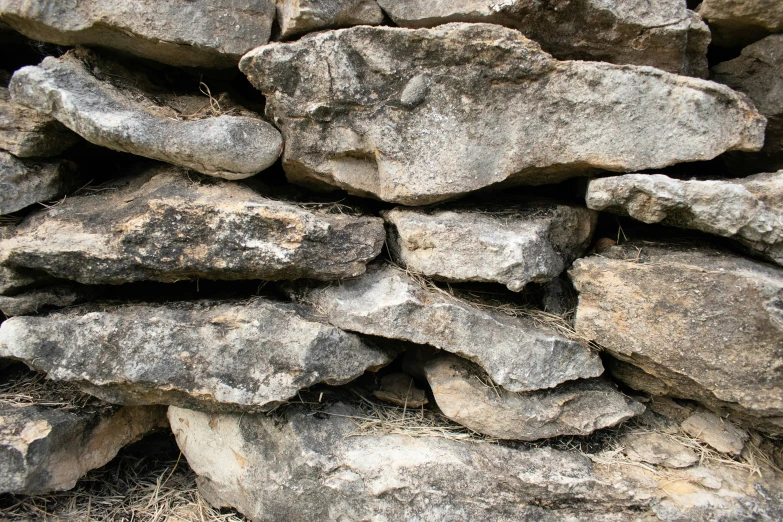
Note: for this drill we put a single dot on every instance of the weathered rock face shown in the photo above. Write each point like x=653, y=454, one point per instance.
x=714, y=431
x=75, y=90
x=24, y=182
x=667, y=36
x=208, y=355
x=518, y=354
x=305, y=467
x=418, y=116
x=512, y=246
x=748, y=209
x=45, y=450
x=740, y=22
x=39, y=299
x=576, y=408
x=708, y=324
x=163, y=227
x=192, y=33
x=658, y=449
x=301, y=16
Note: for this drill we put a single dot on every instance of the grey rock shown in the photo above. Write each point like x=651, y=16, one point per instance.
x=510, y=245
x=75, y=90
x=301, y=16
x=518, y=354
x=665, y=35
x=465, y=395
x=309, y=467
x=209, y=355
x=44, y=450
x=25, y=132
x=749, y=210
x=161, y=226
x=191, y=33
x=707, y=323
x=497, y=109
x=558, y=297
x=659, y=449
x=740, y=22
x=39, y=299
x=712, y=430
x=24, y=182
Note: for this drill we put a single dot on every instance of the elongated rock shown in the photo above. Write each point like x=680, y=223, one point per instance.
x=44, y=450
x=517, y=353
x=208, y=355
x=575, y=408
x=301, y=16
x=418, y=116
x=665, y=34
x=192, y=33
x=24, y=182
x=40, y=299
x=748, y=209
x=73, y=90
x=163, y=227
x=510, y=245
x=740, y=22
x=707, y=323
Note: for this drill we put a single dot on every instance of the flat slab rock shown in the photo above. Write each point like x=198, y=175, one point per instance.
x=658, y=449
x=161, y=226
x=301, y=16
x=209, y=355
x=667, y=35
x=465, y=395
x=749, y=210
x=517, y=353
x=190, y=33
x=721, y=435
x=419, y=116
x=706, y=323
x=40, y=299
x=74, y=90
x=43, y=450
x=306, y=467
x=24, y=182
x=510, y=245
x=740, y=22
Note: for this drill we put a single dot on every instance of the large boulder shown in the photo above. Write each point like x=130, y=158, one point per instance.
x=24, y=182
x=707, y=324
x=161, y=226
x=115, y=107
x=418, y=116
x=740, y=22
x=513, y=245
x=518, y=353
x=209, y=355
x=665, y=34
x=296, y=17
x=192, y=33
x=749, y=210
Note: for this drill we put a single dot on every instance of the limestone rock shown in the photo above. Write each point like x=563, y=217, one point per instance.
x=39, y=299
x=191, y=33
x=419, y=116
x=25, y=132
x=740, y=22
x=210, y=355
x=161, y=226
x=748, y=209
x=658, y=449
x=517, y=353
x=574, y=408
x=716, y=432
x=44, y=450
x=301, y=16
x=707, y=323
x=512, y=246
x=75, y=90
x=399, y=389
x=665, y=34
x=24, y=182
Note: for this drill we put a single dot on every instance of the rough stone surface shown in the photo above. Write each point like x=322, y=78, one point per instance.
x=665, y=35
x=301, y=16
x=44, y=450
x=24, y=182
x=740, y=22
x=75, y=90
x=25, y=132
x=210, y=355
x=161, y=226
x=306, y=467
x=658, y=449
x=192, y=33
x=748, y=209
x=418, y=116
x=512, y=246
x=713, y=430
x=39, y=299
x=516, y=352
x=708, y=324
x=465, y=395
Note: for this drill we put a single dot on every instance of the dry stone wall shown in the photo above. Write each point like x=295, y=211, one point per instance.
x=399, y=260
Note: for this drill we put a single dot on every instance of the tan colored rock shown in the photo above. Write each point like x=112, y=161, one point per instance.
x=720, y=434
x=658, y=449
x=740, y=22
x=302, y=16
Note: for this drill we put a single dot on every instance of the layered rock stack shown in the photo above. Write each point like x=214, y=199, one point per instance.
x=401, y=260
